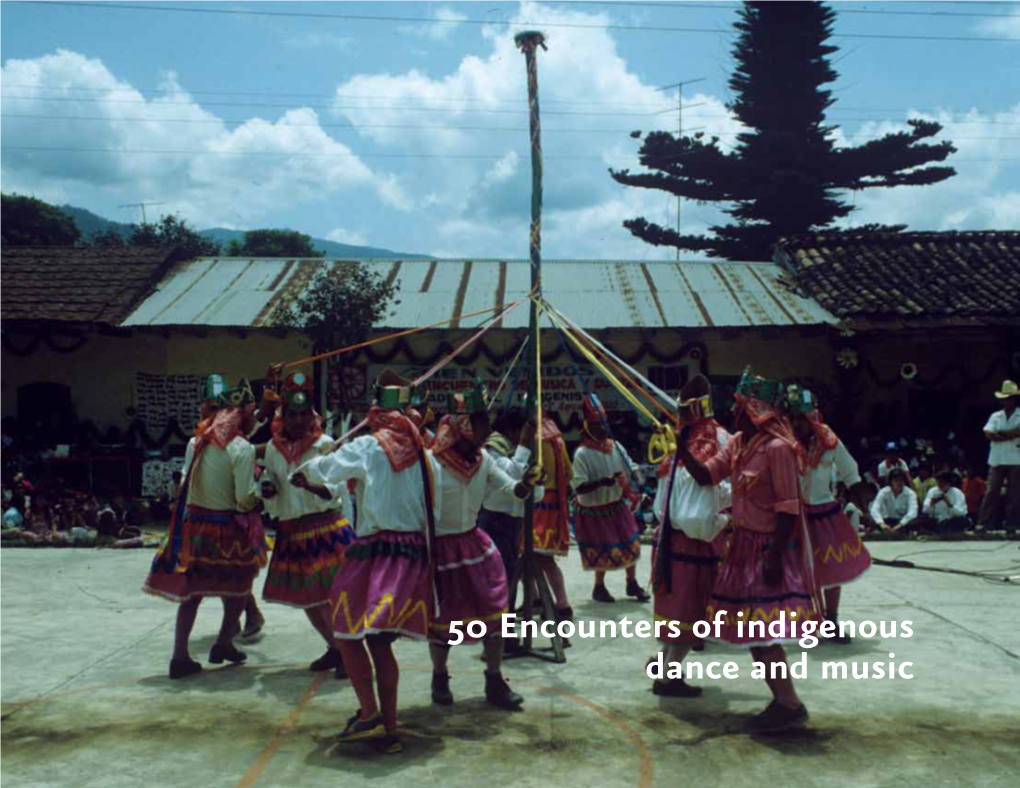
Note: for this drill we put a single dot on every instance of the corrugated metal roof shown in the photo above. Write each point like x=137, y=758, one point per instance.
x=595, y=293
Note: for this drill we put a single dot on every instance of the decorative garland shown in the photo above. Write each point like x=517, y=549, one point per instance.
x=46, y=335
x=695, y=350
x=138, y=430
x=908, y=372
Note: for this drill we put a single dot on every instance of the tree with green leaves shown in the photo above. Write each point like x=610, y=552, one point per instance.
x=110, y=237
x=339, y=308
x=274, y=243
x=172, y=231
x=786, y=175
x=27, y=221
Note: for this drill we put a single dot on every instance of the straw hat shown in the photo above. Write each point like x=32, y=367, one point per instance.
x=1009, y=389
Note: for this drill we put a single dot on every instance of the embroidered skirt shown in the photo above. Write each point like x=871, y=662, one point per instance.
x=472, y=584
x=693, y=565
x=382, y=586
x=741, y=592
x=217, y=553
x=607, y=536
x=552, y=530
x=308, y=552
x=840, y=555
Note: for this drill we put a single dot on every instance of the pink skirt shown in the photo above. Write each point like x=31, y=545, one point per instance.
x=840, y=555
x=742, y=598
x=214, y=553
x=307, y=555
x=382, y=586
x=472, y=584
x=693, y=566
x=607, y=537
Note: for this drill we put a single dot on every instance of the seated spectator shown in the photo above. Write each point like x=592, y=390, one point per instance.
x=895, y=506
x=892, y=461
x=924, y=481
x=974, y=488
x=945, y=508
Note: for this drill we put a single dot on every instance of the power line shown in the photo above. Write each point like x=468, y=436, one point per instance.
x=407, y=108
x=466, y=100
x=490, y=23
x=404, y=126
x=838, y=8
x=352, y=154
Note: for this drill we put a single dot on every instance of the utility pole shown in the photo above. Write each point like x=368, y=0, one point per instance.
x=142, y=206
x=680, y=132
x=528, y=42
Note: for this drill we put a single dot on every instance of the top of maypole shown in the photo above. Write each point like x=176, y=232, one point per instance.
x=530, y=39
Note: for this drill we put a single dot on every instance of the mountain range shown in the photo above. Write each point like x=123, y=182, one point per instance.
x=90, y=224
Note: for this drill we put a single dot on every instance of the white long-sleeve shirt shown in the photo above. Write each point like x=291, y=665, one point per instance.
x=1004, y=452
x=291, y=502
x=462, y=501
x=836, y=465
x=591, y=465
x=889, y=506
x=224, y=479
x=515, y=467
x=954, y=504
x=386, y=500
x=683, y=477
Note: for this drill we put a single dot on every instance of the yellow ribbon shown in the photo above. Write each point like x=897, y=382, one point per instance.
x=624, y=391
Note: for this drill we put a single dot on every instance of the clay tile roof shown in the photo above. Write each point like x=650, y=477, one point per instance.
x=957, y=276
x=91, y=285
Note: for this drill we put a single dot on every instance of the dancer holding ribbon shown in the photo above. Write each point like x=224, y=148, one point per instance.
x=607, y=533
x=470, y=577
x=767, y=572
x=313, y=533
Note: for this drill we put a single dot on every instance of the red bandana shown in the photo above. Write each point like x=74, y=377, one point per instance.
x=771, y=424
x=397, y=435
x=825, y=439
x=594, y=412
x=292, y=450
x=452, y=428
x=222, y=427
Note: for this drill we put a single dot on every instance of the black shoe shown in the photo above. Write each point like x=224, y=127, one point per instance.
x=389, y=744
x=441, y=694
x=674, y=688
x=499, y=694
x=181, y=668
x=601, y=594
x=231, y=654
x=331, y=659
x=699, y=646
x=837, y=636
x=362, y=730
x=777, y=718
x=511, y=646
x=635, y=590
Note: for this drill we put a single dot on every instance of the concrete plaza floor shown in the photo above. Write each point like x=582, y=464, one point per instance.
x=86, y=701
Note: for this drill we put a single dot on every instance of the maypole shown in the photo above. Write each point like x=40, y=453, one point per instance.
x=528, y=42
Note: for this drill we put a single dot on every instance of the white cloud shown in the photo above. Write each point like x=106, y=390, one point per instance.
x=344, y=236
x=1004, y=26
x=437, y=31
x=202, y=177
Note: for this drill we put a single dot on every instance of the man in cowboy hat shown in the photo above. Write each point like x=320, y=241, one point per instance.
x=1003, y=430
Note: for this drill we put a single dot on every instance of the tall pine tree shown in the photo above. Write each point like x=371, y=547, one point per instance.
x=785, y=175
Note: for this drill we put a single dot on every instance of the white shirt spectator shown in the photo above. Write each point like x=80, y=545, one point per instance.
x=1004, y=452
x=836, y=465
x=292, y=502
x=591, y=465
x=889, y=506
x=952, y=505
x=386, y=500
x=884, y=468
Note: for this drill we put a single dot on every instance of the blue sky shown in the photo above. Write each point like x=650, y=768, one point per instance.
x=439, y=159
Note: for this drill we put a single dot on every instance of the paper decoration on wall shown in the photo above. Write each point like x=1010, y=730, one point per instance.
x=157, y=475
x=158, y=398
